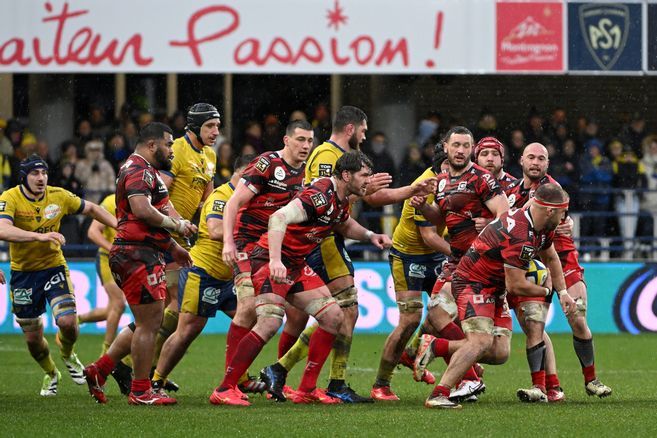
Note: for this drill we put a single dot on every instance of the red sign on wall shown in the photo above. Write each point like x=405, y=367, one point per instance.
x=529, y=36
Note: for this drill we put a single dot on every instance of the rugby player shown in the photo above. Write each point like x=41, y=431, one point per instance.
x=534, y=162
x=137, y=262
x=280, y=273
x=497, y=261
x=30, y=216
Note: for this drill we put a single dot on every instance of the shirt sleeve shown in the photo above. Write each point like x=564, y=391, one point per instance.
x=7, y=207
x=73, y=203
x=487, y=187
x=322, y=165
x=257, y=173
x=140, y=182
x=214, y=208
x=314, y=202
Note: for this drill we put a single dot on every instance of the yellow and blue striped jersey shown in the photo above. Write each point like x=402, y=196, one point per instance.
x=109, y=204
x=322, y=160
x=40, y=216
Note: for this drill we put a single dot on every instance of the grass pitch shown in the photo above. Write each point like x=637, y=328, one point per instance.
x=624, y=362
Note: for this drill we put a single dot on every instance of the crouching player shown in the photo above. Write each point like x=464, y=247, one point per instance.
x=205, y=287
x=280, y=273
x=497, y=260
x=30, y=215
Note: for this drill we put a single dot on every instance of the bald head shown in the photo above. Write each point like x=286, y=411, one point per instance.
x=549, y=206
x=551, y=193
x=534, y=161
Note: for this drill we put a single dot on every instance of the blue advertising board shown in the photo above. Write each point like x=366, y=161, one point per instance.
x=604, y=36
x=621, y=298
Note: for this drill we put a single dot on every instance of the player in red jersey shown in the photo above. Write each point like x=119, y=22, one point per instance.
x=137, y=261
x=497, y=261
x=534, y=163
x=281, y=274
x=269, y=182
x=489, y=154
x=466, y=194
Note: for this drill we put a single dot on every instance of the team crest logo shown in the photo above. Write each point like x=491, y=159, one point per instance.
x=148, y=178
x=210, y=295
x=417, y=270
x=442, y=184
x=512, y=200
x=325, y=169
x=279, y=173
x=22, y=297
x=3, y=205
x=52, y=211
x=605, y=28
x=262, y=164
x=318, y=199
x=462, y=185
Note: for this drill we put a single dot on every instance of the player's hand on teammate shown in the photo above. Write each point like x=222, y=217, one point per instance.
x=53, y=237
x=566, y=227
x=377, y=182
x=568, y=305
x=424, y=187
x=277, y=271
x=186, y=228
x=480, y=223
x=181, y=256
x=229, y=251
x=381, y=241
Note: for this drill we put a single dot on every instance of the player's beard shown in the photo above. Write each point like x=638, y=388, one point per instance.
x=458, y=166
x=163, y=161
x=535, y=178
x=353, y=142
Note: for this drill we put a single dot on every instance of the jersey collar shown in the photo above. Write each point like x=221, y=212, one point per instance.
x=189, y=142
x=31, y=199
x=331, y=142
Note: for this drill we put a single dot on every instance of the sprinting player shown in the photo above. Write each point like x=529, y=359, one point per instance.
x=489, y=153
x=534, y=162
x=269, y=183
x=281, y=274
x=103, y=236
x=497, y=261
x=331, y=261
x=467, y=196
x=137, y=262
x=207, y=286
x=189, y=181
x=418, y=250
x=30, y=215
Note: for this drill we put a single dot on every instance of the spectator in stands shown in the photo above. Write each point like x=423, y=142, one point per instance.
x=99, y=126
x=649, y=162
x=65, y=177
x=629, y=175
x=591, y=132
x=225, y=161
x=412, y=165
x=177, y=124
x=559, y=137
x=534, y=131
x=565, y=169
x=43, y=151
x=428, y=127
x=272, y=139
x=595, y=181
x=377, y=150
x=28, y=146
x=321, y=123
x=248, y=149
x=6, y=160
x=253, y=136
x=298, y=115
x=131, y=134
x=558, y=119
x=633, y=134
x=486, y=125
x=82, y=135
x=5, y=144
x=117, y=150
x=14, y=132
x=516, y=145
x=95, y=172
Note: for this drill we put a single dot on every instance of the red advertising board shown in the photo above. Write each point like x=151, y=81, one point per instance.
x=529, y=36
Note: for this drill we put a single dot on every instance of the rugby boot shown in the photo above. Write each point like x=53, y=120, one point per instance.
x=407, y=360
x=96, y=383
x=122, y=373
x=596, y=387
x=229, y=396
x=466, y=389
x=274, y=376
x=50, y=383
x=75, y=368
x=555, y=395
x=346, y=394
x=532, y=395
x=383, y=393
x=151, y=397
x=315, y=396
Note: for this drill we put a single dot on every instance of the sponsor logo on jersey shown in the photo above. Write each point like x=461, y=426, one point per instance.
x=527, y=253
x=512, y=200
x=318, y=199
x=148, y=178
x=52, y=211
x=218, y=206
x=262, y=164
x=442, y=184
x=325, y=169
x=3, y=205
x=210, y=295
x=279, y=173
x=417, y=270
x=22, y=297
x=462, y=185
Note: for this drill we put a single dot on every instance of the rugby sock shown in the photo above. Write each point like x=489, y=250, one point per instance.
x=105, y=365
x=157, y=376
x=584, y=351
x=441, y=390
x=140, y=386
x=415, y=341
x=233, y=338
x=127, y=361
x=440, y=347
x=452, y=332
x=384, y=375
x=536, y=360
x=285, y=342
x=65, y=344
x=246, y=352
x=340, y=357
x=552, y=381
x=168, y=326
x=320, y=346
x=106, y=347
x=299, y=350
x=44, y=359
